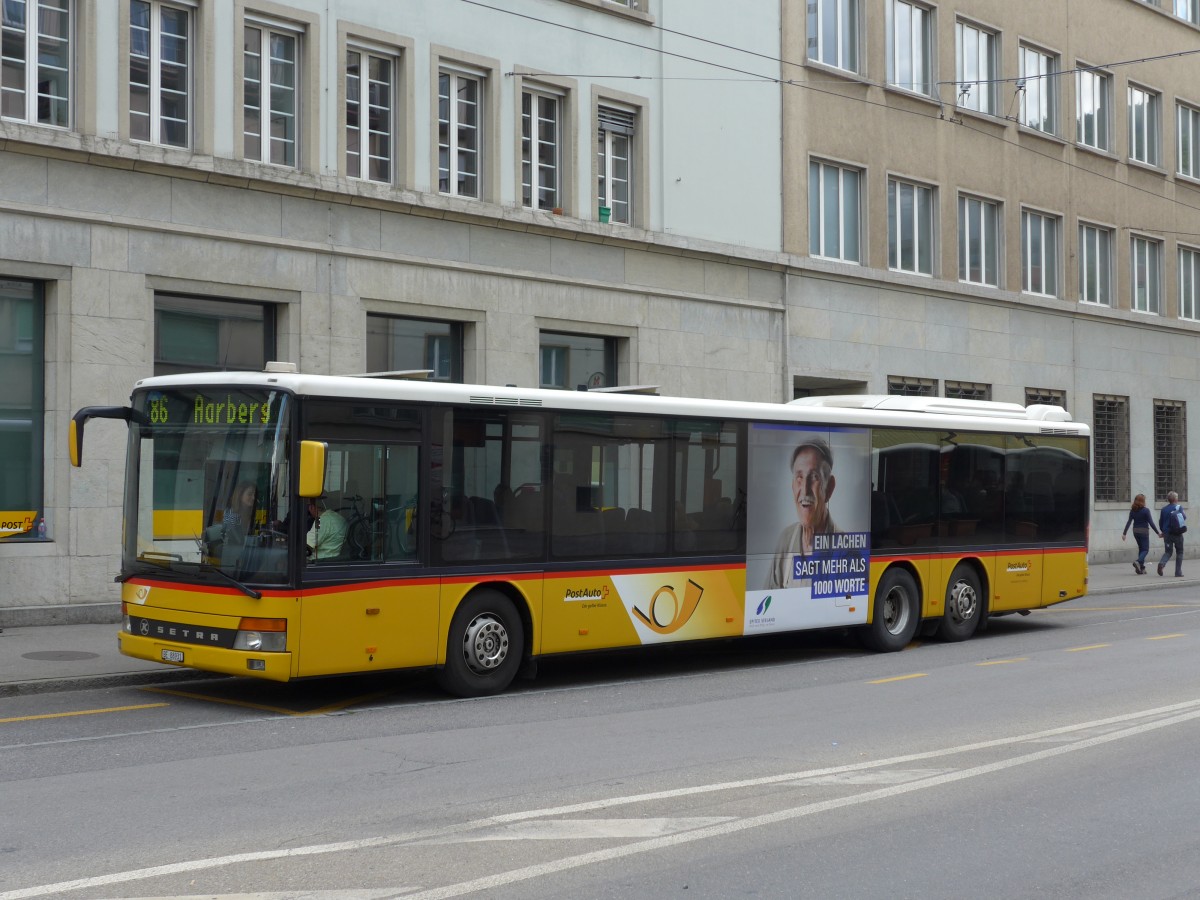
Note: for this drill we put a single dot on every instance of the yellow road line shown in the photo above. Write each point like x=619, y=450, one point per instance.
x=1086, y=609
x=1003, y=662
x=1089, y=647
x=84, y=712
x=899, y=678
x=332, y=707
x=1163, y=637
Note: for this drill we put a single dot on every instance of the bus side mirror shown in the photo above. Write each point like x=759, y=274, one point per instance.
x=75, y=434
x=75, y=442
x=312, y=468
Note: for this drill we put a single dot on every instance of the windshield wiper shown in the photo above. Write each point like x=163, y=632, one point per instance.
x=248, y=591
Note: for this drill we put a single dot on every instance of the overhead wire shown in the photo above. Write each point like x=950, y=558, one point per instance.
x=814, y=86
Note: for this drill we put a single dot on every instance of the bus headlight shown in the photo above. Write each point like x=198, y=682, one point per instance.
x=261, y=635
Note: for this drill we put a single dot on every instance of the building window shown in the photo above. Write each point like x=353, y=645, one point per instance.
x=978, y=241
x=1188, y=10
x=571, y=361
x=1110, y=447
x=906, y=386
x=1170, y=449
x=975, y=68
x=615, y=163
x=22, y=412
x=197, y=334
x=1144, y=128
x=370, y=115
x=1038, y=72
x=910, y=46
x=910, y=227
x=270, y=95
x=159, y=73
x=35, y=61
x=968, y=390
x=396, y=344
x=1145, y=279
x=541, y=149
x=1039, y=253
x=1045, y=397
x=833, y=212
x=460, y=122
x=1095, y=265
x=1188, y=140
x=1092, y=113
x=1189, y=283
x=833, y=33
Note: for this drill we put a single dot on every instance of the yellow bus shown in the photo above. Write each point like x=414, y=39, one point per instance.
x=285, y=526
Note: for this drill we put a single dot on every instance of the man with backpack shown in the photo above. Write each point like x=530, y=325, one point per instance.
x=1172, y=523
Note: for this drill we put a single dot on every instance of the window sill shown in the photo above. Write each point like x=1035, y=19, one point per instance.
x=828, y=69
x=982, y=117
x=1027, y=130
x=1098, y=152
x=614, y=9
x=1149, y=168
x=899, y=91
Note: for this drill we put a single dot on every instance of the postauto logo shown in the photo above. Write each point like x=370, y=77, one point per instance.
x=656, y=616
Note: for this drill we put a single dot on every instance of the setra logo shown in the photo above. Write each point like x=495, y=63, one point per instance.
x=681, y=613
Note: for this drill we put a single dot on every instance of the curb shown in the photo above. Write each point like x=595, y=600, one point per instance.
x=96, y=682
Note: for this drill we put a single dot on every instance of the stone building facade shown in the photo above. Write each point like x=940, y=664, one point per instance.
x=980, y=198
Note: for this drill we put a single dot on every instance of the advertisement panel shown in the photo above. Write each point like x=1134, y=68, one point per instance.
x=808, y=538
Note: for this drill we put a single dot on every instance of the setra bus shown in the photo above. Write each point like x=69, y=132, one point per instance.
x=284, y=526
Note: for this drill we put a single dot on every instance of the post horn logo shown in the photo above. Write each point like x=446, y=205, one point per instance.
x=681, y=613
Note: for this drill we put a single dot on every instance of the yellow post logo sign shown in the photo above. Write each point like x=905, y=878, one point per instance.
x=14, y=522
x=679, y=614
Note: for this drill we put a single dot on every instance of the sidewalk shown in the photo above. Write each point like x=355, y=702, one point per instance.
x=72, y=657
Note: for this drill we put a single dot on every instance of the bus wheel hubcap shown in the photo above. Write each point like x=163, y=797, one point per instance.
x=895, y=611
x=485, y=645
x=963, y=601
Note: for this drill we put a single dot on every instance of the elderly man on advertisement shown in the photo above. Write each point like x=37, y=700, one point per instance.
x=812, y=485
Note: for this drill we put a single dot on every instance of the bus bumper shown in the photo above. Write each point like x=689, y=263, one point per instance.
x=270, y=666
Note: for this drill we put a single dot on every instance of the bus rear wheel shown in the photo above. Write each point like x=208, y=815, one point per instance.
x=897, y=613
x=484, y=646
x=964, y=605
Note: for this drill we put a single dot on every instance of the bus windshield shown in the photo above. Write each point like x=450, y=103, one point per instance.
x=207, y=484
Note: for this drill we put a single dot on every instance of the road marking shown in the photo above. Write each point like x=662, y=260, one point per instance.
x=1089, y=647
x=1161, y=717
x=1135, y=607
x=1003, y=662
x=886, y=776
x=899, y=678
x=84, y=712
x=264, y=707
x=1165, y=637
x=582, y=829
x=528, y=873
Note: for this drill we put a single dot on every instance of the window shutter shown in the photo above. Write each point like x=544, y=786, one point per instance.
x=616, y=120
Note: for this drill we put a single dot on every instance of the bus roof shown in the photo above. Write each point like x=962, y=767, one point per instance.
x=843, y=410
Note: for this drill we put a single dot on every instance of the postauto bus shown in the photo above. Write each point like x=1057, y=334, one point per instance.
x=475, y=529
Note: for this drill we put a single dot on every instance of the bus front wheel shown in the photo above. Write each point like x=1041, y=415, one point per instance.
x=964, y=605
x=484, y=647
x=897, y=612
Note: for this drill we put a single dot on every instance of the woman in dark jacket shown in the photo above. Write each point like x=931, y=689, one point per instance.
x=1143, y=523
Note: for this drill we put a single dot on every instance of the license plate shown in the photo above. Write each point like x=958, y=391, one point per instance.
x=174, y=656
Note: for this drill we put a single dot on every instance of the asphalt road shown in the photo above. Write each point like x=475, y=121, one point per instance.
x=1053, y=756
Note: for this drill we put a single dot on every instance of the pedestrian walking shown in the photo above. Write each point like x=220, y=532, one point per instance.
x=1172, y=523
x=1142, y=522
